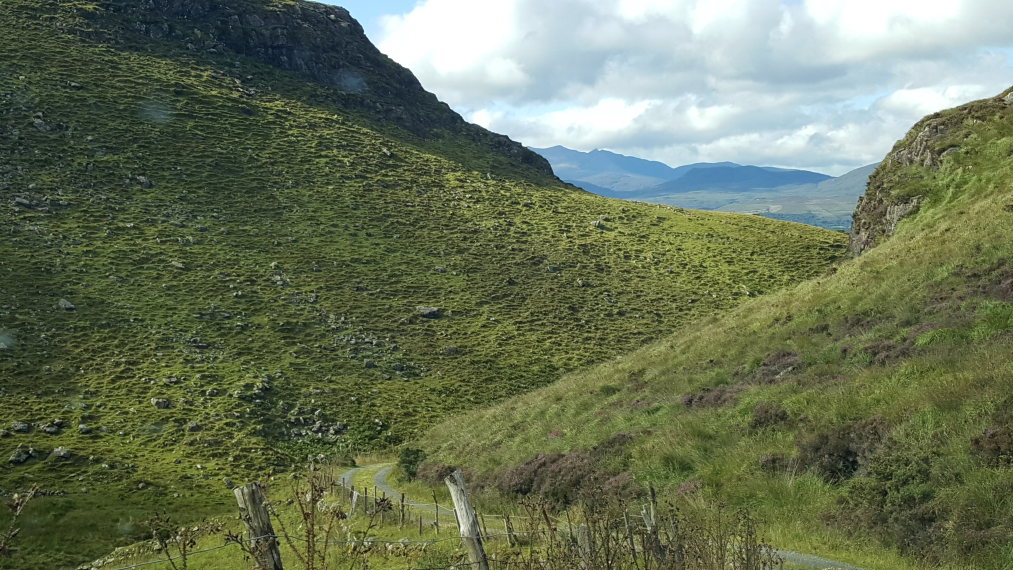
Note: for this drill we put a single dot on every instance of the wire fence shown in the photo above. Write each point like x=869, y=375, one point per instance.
x=566, y=537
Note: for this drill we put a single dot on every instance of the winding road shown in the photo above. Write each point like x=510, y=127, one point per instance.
x=380, y=480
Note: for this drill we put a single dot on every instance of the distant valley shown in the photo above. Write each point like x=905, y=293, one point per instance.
x=784, y=194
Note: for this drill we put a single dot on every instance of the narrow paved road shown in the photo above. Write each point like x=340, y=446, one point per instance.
x=380, y=479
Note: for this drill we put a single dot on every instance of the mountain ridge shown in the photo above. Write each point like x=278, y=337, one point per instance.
x=319, y=41
x=778, y=193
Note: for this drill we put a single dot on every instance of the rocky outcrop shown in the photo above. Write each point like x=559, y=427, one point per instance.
x=898, y=188
x=321, y=42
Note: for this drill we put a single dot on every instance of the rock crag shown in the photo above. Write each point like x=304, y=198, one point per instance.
x=896, y=189
x=322, y=42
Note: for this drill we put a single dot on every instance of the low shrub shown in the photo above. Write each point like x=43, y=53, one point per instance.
x=409, y=461
x=768, y=414
x=715, y=397
x=838, y=453
x=895, y=499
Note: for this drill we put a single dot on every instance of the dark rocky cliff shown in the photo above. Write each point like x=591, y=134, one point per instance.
x=324, y=43
x=896, y=189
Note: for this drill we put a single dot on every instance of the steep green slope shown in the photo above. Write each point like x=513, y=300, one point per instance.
x=213, y=265
x=873, y=403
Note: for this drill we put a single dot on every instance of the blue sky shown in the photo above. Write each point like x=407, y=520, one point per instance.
x=826, y=85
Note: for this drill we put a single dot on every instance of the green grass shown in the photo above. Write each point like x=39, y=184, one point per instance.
x=917, y=331
x=254, y=248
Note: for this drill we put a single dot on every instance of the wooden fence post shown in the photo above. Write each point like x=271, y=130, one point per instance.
x=509, y=532
x=470, y=531
x=437, y=503
x=263, y=543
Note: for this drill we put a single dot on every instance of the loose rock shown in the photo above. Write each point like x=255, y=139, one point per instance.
x=430, y=312
x=160, y=403
x=66, y=305
x=19, y=456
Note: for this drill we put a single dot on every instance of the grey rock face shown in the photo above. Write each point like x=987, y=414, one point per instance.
x=895, y=191
x=321, y=42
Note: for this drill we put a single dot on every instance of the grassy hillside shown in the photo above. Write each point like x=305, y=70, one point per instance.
x=866, y=414
x=212, y=267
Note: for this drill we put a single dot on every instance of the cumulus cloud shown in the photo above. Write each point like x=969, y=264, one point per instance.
x=821, y=84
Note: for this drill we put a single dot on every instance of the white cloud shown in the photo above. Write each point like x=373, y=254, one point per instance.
x=925, y=100
x=825, y=84
x=459, y=35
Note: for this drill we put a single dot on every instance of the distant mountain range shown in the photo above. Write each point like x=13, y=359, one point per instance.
x=796, y=195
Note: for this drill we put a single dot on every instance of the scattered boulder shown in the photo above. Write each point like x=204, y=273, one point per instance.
x=21, y=427
x=161, y=403
x=369, y=364
x=451, y=350
x=178, y=265
x=228, y=483
x=84, y=429
x=193, y=427
x=19, y=456
x=24, y=203
x=211, y=393
x=62, y=453
x=51, y=429
x=430, y=312
x=66, y=305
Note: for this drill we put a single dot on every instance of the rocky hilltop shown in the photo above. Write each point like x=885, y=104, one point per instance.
x=896, y=189
x=322, y=42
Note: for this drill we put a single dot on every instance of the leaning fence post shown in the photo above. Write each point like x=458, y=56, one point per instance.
x=470, y=531
x=263, y=542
